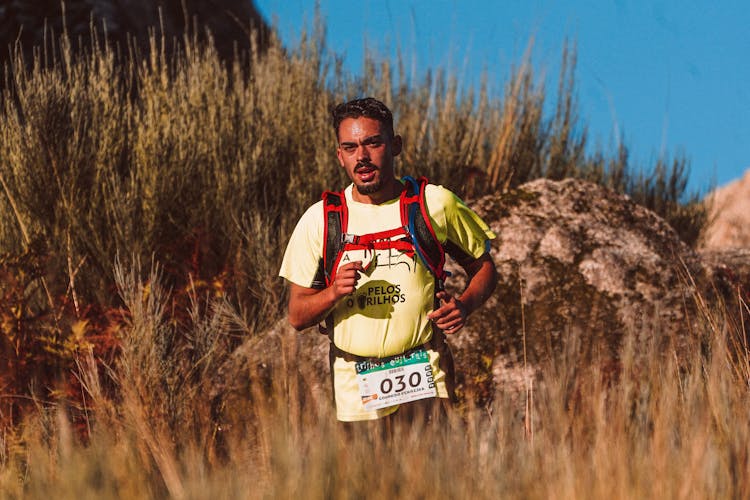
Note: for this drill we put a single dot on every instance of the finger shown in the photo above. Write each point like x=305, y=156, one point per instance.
x=451, y=316
x=451, y=327
x=437, y=314
x=447, y=322
x=350, y=270
x=449, y=312
x=348, y=275
x=346, y=284
x=451, y=323
x=348, y=280
x=356, y=264
x=441, y=312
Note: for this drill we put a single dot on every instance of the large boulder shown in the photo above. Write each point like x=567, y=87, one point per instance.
x=581, y=268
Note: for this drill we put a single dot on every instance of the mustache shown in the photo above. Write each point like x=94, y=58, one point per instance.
x=360, y=165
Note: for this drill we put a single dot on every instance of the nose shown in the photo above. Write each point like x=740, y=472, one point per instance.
x=362, y=153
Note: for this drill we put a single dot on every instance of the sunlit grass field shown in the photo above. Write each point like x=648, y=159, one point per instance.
x=145, y=202
x=662, y=428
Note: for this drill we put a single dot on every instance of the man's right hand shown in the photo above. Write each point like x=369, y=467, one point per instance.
x=346, y=279
x=310, y=306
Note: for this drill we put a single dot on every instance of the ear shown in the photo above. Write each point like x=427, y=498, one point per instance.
x=339, y=156
x=397, y=145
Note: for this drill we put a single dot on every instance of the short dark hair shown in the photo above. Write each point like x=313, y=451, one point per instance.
x=369, y=107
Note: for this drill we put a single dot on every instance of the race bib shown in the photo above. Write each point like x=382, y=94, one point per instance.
x=396, y=380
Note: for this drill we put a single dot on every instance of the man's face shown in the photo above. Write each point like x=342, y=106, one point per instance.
x=366, y=151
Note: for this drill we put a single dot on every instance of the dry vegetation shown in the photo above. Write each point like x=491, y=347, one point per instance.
x=109, y=160
x=660, y=429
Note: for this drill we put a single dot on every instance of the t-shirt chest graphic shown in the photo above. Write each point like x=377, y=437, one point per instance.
x=384, y=313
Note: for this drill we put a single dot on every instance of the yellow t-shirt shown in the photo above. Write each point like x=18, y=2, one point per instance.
x=387, y=314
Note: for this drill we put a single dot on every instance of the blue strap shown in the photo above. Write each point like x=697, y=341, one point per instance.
x=413, y=213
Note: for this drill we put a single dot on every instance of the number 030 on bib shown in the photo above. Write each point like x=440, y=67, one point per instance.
x=397, y=380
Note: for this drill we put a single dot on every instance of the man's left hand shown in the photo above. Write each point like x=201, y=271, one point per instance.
x=450, y=317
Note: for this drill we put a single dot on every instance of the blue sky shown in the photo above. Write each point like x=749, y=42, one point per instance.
x=667, y=76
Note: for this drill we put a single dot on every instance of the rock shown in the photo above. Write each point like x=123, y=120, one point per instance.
x=580, y=267
x=729, y=216
x=283, y=361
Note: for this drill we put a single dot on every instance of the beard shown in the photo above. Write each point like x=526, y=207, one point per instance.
x=371, y=187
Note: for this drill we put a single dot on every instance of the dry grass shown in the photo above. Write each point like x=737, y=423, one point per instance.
x=662, y=428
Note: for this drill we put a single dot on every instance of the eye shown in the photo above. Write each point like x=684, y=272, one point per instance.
x=348, y=148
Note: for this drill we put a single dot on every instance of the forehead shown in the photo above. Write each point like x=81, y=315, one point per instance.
x=354, y=129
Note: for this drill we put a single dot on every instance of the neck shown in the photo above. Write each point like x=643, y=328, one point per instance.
x=387, y=192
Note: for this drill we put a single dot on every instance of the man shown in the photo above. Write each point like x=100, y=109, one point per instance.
x=385, y=310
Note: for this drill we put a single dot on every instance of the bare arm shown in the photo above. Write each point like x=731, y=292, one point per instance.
x=451, y=315
x=309, y=306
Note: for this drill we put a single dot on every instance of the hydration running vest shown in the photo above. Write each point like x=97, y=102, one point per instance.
x=415, y=235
